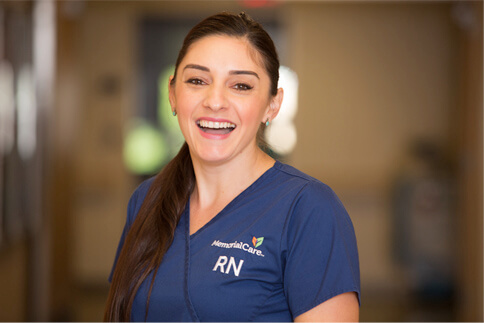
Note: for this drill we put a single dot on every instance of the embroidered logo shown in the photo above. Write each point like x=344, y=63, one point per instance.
x=257, y=241
x=241, y=245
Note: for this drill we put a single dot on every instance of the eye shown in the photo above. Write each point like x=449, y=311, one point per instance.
x=195, y=81
x=242, y=87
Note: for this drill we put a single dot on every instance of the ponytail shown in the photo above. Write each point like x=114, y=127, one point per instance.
x=151, y=235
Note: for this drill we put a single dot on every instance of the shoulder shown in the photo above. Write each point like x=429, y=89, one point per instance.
x=310, y=189
x=318, y=237
x=143, y=188
x=137, y=199
x=293, y=173
x=315, y=202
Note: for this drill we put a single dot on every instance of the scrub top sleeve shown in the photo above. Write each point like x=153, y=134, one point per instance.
x=321, y=253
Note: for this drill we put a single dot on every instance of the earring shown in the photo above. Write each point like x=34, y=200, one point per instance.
x=267, y=122
x=174, y=112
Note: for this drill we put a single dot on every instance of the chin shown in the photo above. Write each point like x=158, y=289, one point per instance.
x=213, y=155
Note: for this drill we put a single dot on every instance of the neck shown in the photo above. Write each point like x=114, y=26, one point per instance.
x=224, y=181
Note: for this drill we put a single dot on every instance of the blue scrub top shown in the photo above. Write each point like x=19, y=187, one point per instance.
x=283, y=246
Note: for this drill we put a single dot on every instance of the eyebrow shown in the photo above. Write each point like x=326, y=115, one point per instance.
x=244, y=72
x=234, y=72
x=197, y=67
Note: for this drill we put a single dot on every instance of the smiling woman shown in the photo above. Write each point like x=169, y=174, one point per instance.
x=223, y=86
x=224, y=232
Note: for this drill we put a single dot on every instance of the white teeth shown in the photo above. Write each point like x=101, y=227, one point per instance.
x=215, y=124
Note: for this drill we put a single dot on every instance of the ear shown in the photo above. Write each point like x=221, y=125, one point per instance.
x=171, y=94
x=274, y=106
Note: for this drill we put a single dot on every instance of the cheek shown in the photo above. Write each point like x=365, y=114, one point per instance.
x=186, y=104
x=184, y=111
x=254, y=112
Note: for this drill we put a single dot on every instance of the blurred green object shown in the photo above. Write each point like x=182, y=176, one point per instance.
x=145, y=149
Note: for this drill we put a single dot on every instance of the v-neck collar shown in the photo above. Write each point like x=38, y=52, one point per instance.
x=229, y=205
x=188, y=238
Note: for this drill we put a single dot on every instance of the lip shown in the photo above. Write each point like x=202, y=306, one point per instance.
x=210, y=135
x=214, y=119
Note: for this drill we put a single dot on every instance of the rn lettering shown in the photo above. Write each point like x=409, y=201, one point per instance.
x=222, y=261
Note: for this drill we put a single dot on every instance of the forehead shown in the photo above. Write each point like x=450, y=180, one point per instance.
x=224, y=51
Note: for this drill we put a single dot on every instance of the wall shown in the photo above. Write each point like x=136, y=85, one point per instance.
x=13, y=273
x=469, y=118
x=370, y=83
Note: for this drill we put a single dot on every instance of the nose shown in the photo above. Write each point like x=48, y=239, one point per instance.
x=215, y=97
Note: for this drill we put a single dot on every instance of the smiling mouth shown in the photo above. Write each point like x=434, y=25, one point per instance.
x=215, y=127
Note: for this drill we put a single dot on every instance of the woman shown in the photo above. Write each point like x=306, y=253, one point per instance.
x=224, y=232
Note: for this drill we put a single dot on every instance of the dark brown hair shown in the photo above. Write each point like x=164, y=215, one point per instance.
x=153, y=229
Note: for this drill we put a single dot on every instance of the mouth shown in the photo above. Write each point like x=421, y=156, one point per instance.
x=216, y=127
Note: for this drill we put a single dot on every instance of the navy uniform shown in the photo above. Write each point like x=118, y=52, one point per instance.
x=280, y=248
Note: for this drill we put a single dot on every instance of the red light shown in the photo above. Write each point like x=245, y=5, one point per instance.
x=258, y=3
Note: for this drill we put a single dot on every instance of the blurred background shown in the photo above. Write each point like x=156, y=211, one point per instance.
x=385, y=106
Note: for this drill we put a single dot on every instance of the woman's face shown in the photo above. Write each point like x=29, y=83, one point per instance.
x=221, y=96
